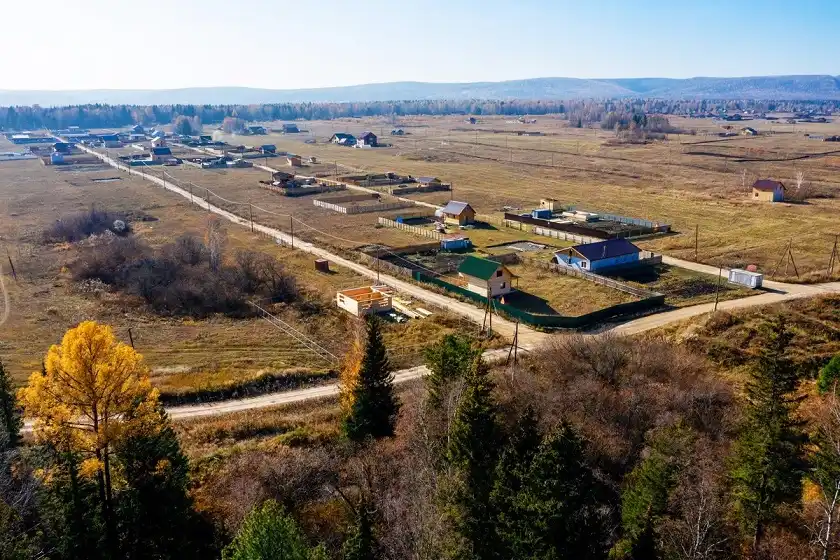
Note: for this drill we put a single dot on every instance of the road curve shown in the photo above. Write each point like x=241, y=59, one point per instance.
x=529, y=338
x=7, y=304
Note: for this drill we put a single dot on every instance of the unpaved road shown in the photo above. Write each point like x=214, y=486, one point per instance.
x=7, y=304
x=529, y=339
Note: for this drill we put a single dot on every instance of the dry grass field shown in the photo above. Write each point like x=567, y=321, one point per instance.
x=184, y=354
x=687, y=180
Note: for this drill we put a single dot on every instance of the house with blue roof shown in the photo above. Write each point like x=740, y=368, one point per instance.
x=600, y=256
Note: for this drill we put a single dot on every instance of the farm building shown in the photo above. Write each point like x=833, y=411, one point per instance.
x=455, y=212
x=454, y=242
x=549, y=204
x=599, y=256
x=749, y=131
x=256, y=129
x=161, y=154
x=471, y=120
x=290, y=129
x=542, y=213
x=293, y=161
x=313, y=159
x=343, y=139
x=767, y=190
x=62, y=147
x=429, y=181
x=137, y=129
x=397, y=132
x=363, y=301
x=158, y=142
x=367, y=139
x=485, y=277
x=268, y=149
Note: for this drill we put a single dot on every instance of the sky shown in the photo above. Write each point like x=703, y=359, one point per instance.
x=280, y=44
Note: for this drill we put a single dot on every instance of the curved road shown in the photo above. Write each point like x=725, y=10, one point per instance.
x=7, y=304
x=529, y=339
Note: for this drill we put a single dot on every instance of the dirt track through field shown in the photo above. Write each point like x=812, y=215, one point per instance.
x=7, y=305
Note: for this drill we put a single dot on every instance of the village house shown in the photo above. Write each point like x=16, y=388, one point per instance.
x=485, y=277
x=256, y=129
x=343, y=139
x=293, y=161
x=428, y=181
x=600, y=256
x=137, y=129
x=459, y=213
x=767, y=190
x=364, y=301
x=160, y=154
x=268, y=149
x=367, y=138
x=290, y=129
x=749, y=131
x=62, y=147
x=397, y=132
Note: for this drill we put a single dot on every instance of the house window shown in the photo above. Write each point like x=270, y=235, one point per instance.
x=504, y=285
x=756, y=195
x=498, y=274
x=583, y=264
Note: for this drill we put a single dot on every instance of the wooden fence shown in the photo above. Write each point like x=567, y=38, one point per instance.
x=412, y=229
x=597, y=278
x=362, y=209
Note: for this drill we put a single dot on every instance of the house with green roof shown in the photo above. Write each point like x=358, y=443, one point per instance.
x=485, y=277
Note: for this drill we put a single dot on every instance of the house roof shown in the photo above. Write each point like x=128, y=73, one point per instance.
x=161, y=151
x=477, y=267
x=606, y=249
x=427, y=179
x=342, y=135
x=455, y=208
x=454, y=237
x=767, y=185
x=268, y=147
x=367, y=133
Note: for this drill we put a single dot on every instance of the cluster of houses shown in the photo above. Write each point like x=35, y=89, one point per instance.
x=366, y=139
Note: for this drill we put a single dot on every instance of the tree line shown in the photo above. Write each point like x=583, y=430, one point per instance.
x=636, y=452
x=188, y=118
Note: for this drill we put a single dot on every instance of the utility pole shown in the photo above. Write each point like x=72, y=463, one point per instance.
x=251, y=216
x=717, y=290
x=130, y=337
x=696, y=240
x=11, y=264
x=833, y=259
x=207, y=198
x=191, y=195
x=292, y=230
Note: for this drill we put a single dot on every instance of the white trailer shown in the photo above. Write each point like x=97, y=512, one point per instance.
x=745, y=278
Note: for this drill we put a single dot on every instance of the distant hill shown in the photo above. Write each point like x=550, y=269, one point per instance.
x=758, y=87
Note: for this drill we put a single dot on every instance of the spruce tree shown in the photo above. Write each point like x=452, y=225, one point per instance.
x=154, y=510
x=269, y=532
x=373, y=413
x=557, y=514
x=768, y=463
x=473, y=450
x=10, y=420
x=361, y=542
x=447, y=360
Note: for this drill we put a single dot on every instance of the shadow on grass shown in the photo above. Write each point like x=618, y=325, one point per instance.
x=530, y=303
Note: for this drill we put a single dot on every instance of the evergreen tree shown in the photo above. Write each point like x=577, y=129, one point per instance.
x=647, y=488
x=829, y=375
x=154, y=510
x=375, y=407
x=361, y=542
x=768, y=461
x=268, y=533
x=472, y=451
x=556, y=513
x=10, y=420
x=447, y=360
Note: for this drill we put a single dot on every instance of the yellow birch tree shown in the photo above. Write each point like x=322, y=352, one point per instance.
x=91, y=388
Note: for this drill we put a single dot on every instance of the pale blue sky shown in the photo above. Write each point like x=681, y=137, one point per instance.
x=87, y=44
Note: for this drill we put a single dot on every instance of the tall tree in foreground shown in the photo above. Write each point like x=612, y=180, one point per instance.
x=473, y=450
x=94, y=391
x=267, y=533
x=769, y=461
x=10, y=420
x=374, y=409
x=447, y=360
x=825, y=476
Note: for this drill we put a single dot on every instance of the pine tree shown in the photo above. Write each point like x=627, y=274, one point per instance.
x=268, y=532
x=769, y=462
x=472, y=452
x=10, y=420
x=556, y=513
x=375, y=407
x=154, y=510
x=361, y=542
x=447, y=360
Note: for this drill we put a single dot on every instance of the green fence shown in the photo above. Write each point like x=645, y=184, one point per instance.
x=551, y=321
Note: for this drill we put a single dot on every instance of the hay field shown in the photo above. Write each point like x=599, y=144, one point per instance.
x=675, y=181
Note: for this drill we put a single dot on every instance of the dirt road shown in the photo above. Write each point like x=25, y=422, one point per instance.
x=7, y=304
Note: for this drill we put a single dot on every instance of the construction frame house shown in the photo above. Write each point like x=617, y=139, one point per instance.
x=366, y=300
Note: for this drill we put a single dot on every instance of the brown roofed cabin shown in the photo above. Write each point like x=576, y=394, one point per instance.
x=455, y=212
x=485, y=277
x=767, y=190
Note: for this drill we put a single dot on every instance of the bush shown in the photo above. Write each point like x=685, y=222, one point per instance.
x=829, y=375
x=178, y=280
x=83, y=225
